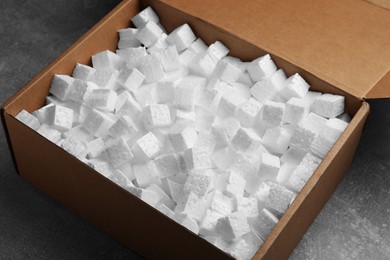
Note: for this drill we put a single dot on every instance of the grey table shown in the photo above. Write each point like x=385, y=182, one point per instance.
x=353, y=225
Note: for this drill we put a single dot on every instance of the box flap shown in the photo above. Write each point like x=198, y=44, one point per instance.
x=345, y=43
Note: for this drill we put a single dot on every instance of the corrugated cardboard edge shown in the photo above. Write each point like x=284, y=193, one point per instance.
x=381, y=3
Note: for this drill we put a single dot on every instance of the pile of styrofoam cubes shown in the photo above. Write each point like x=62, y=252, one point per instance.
x=219, y=145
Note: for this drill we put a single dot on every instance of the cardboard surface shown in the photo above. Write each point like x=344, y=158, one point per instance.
x=119, y=213
x=345, y=43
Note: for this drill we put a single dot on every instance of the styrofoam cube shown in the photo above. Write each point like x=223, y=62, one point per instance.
x=160, y=45
x=285, y=172
x=273, y=113
x=61, y=86
x=184, y=97
x=131, y=79
x=242, y=250
x=60, y=118
x=268, y=87
x=209, y=222
x=248, y=112
x=204, y=119
x=82, y=90
x=157, y=115
x=203, y=64
x=75, y=146
x=185, y=116
x=208, y=99
x=218, y=50
x=102, y=167
x=217, y=241
x=261, y=68
x=98, y=123
x=146, y=15
x=279, y=198
x=264, y=223
x=188, y=222
x=248, y=206
x=165, y=92
x=295, y=86
x=182, y=37
x=170, y=59
x=328, y=105
x=95, y=147
x=311, y=96
x=314, y=122
x=269, y=167
x=132, y=55
x=345, y=117
x=146, y=174
x=83, y=72
x=192, y=205
x=167, y=165
x=106, y=78
x=233, y=226
x=148, y=146
x=246, y=140
x=126, y=105
x=303, y=172
x=149, y=34
x=128, y=39
x=165, y=199
x=108, y=60
x=165, y=210
x=119, y=152
x=124, y=126
x=261, y=193
x=151, y=67
x=296, y=110
x=226, y=71
x=222, y=204
x=198, y=46
x=225, y=130
x=302, y=138
x=183, y=138
x=228, y=105
x=103, y=99
x=49, y=133
x=292, y=156
x=334, y=127
x=186, y=57
x=28, y=119
x=276, y=140
x=197, y=159
x=78, y=132
x=199, y=183
x=175, y=190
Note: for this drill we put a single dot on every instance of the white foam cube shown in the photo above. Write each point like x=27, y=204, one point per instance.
x=269, y=167
x=81, y=91
x=246, y=140
x=60, y=118
x=199, y=183
x=132, y=55
x=248, y=206
x=148, y=146
x=197, y=159
x=204, y=119
x=96, y=147
x=276, y=140
x=126, y=105
x=295, y=86
x=225, y=130
x=311, y=96
x=314, y=122
x=322, y=145
x=175, y=190
x=119, y=152
x=303, y=172
x=170, y=59
x=160, y=45
x=165, y=210
x=209, y=222
x=124, y=126
x=345, y=117
x=186, y=91
x=165, y=199
x=279, y=198
x=228, y=105
x=292, y=156
x=268, y=87
x=83, y=72
x=273, y=113
x=103, y=99
x=218, y=50
x=222, y=204
x=235, y=185
x=108, y=60
x=78, y=132
x=61, y=86
x=183, y=138
x=98, y=123
x=261, y=67
x=334, y=127
x=49, y=133
x=302, y=138
x=128, y=39
x=182, y=37
x=146, y=174
x=242, y=250
x=186, y=57
x=192, y=205
x=329, y=105
x=106, y=78
x=217, y=241
x=203, y=64
x=121, y=180
x=28, y=119
x=149, y=34
x=102, y=167
x=157, y=115
x=248, y=112
x=151, y=67
x=233, y=226
x=165, y=92
x=227, y=72
x=149, y=196
x=188, y=222
x=285, y=172
x=75, y=146
x=264, y=223
x=261, y=193
x=131, y=79
x=146, y=15
x=198, y=46
x=186, y=116
x=296, y=110
x=167, y=165
x=208, y=99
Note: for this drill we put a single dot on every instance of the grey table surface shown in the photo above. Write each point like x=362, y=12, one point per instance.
x=354, y=224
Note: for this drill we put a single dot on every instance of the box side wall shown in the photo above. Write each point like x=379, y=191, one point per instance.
x=106, y=205
x=316, y=192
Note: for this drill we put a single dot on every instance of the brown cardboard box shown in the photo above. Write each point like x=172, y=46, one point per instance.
x=337, y=46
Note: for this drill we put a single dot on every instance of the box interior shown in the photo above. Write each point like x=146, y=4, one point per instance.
x=104, y=36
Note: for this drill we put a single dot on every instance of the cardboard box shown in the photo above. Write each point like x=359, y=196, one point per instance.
x=338, y=47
